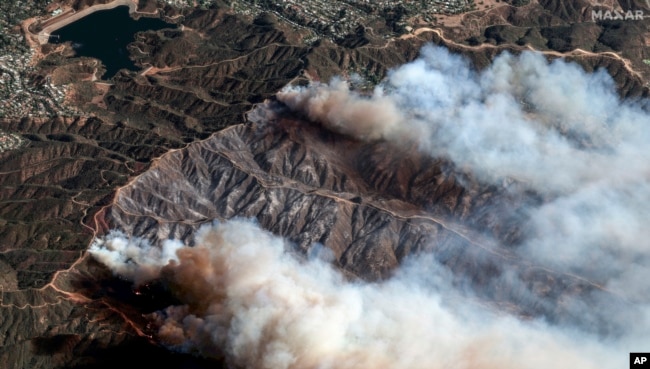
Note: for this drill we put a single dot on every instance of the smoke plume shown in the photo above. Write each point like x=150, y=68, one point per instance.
x=553, y=128
x=547, y=124
x=249, y=299
x=550, y=126
x=135, y=258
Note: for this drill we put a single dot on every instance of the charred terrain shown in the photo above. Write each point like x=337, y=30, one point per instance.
x=198, y=135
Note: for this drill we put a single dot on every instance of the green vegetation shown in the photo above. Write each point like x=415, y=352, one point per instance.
x=11, y=14
x=339, y=20
x=22, y=93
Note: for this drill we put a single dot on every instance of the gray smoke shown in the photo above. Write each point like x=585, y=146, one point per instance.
x=551, y=127
x=135, y=258
x=249, y=299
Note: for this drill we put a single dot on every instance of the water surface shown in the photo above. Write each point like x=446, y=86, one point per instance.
x=105, y=34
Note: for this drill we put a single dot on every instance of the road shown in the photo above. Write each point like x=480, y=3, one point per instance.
x=627, y=64
x=70, y=17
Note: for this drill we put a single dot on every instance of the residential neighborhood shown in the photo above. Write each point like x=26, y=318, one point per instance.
x=10, y=141
x=338, y=19
x=23, y=96
x=20, y=97
x=341, y=18
x=20, y=94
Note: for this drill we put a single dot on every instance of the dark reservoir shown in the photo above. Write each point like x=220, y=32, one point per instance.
x=105, y=34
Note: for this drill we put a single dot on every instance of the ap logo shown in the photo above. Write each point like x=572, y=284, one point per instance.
x=639, y=360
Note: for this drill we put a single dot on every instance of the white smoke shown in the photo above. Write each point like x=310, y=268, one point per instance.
x=547, y=124
x=557, y=130
x=133, y=258
x=252, y=301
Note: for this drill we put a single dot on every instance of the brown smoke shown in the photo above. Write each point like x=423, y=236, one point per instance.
x=248, y=299
x=334, y=106
x=557, y=130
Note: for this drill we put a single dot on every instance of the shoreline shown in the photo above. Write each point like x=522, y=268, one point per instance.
x=73, y=16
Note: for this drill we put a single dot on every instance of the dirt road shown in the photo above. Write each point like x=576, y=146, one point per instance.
x=69, y=17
